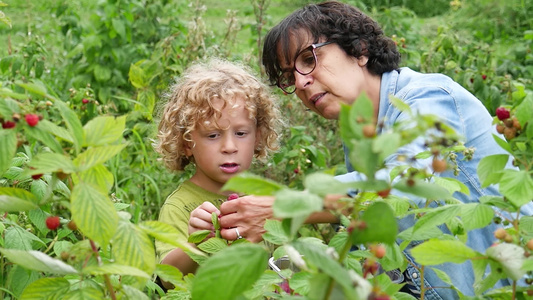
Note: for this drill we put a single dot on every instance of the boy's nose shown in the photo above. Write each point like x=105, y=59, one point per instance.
x=229, y=145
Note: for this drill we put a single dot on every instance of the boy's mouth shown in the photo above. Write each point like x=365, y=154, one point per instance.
x=229, y=167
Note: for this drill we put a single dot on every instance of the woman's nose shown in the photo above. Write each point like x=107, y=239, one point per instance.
x=302, y=81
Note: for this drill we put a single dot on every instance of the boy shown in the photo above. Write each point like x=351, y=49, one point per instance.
x=218, y=117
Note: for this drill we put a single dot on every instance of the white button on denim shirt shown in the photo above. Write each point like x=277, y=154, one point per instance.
x=439, y=95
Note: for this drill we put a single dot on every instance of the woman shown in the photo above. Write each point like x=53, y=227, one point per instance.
x=330, y=53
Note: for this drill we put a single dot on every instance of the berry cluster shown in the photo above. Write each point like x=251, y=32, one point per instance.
x=508, y=125
x=31, y=119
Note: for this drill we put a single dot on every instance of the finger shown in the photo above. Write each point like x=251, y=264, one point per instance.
x=200, y=224
x=209, y=207
x=229, y=207
x=229, y=221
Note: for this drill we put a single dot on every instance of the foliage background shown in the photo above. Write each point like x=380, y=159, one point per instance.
x=121, y=56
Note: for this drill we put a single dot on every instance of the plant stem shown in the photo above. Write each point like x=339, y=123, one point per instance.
x=106, y=276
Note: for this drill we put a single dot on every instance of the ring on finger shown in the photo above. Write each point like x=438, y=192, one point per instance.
x=238, y=234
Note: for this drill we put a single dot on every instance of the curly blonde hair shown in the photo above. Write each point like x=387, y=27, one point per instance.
x=190, y=102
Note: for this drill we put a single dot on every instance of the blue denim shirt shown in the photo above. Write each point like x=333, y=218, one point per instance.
x=439, y=95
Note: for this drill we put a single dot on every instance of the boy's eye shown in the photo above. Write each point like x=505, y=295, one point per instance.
x=212, y=135
x=240, y=133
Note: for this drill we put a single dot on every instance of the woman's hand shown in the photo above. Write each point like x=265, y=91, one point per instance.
x=248, y=214
x=200, y=218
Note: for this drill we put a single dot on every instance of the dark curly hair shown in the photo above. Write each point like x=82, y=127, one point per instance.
x=356, y=33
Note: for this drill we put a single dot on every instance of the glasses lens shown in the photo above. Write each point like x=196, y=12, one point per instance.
x=305, y=62
x=286, y=82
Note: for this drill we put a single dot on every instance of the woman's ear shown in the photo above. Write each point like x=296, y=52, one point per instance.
x=362, y=61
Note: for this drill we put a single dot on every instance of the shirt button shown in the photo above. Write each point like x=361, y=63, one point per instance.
x=415, y=275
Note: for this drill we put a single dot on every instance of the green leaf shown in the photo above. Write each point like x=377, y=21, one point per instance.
x=213, y=245
x=318, y=257
x=443, y=276
x=502, y=143
x=526, y=226
x=97, y=155
x=94, y=213
x=251, y=184
x=133, y=247
x=169, y=273
x=435, y=252
x=528, y=265
x=49, y=162
x=517, y=186
x=290, y=204
x=436, y=217
x=324, y=184
x=198, y=236
x=511, y=258
x=8, y=148
x=56, y=130
x=110, y=269
x=490, y=167
x=38, y=261
x=104, y=130
x=73, y=124
x=46, y=138
x=36, y=87
x=476, y=215
x=275, y=233
x=402, y=106
x=381, y=225
x=98, y=176
x=168, y=234
x=452, y=185
x=101, y=73
x=423, y=189
x=46, y=288
x=85, y=293
x=229, y=273
x=137, y=76
x=386, y=144
x=119, y=27
x=17, y=237
x=15, y=199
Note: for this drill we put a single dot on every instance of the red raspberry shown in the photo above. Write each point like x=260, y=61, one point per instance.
x=484, y=76
x=384, y=193
x=85, y=101
x=32, y=119
x=52, y=223
x=232, y=196
x=36, y=176
x=8, y=124
x=502, y=113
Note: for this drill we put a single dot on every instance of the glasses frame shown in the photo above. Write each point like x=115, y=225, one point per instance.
x=311, y=47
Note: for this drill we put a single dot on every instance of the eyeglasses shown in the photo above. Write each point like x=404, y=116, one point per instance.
x=304, y=63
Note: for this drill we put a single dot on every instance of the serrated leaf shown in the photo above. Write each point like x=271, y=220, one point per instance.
x=56, y=130
x=511, y=258
x=275, y=233
x=452, y=185
x=168, y=234
x=435, y=252
x=325, y=184
x=97, y=155
x=38, y=261
x=436, y=217
x=248, y=183
x=476, y=215
x=51, y=162
x=517, y=186
x=198, y=236
x=46, y=138
x=133, y=247
x=94, y=213
x=73, y=124
x=85, y=293
x=46, y=288
x=98, y=176
x=213, y=245
x=18, y=238
x=490, y=167
x=8, y=148
x=443, y=276
x=117, y=269
x=229, y=273
x=169, y=273
x=104, y=130
x=423, y=189
x=502, y=143
x=381, y=225
x=36, y=87
x=15, y=199
x=290, y=204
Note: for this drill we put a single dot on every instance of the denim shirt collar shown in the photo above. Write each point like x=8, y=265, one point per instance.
x=389, y=83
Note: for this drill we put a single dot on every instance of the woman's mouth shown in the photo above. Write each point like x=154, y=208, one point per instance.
x=316, y=97
x=229, y=168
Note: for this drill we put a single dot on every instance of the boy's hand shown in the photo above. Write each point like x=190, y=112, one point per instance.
x=200, y=218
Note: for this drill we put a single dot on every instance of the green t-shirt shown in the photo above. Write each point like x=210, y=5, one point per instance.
x=177, y=209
